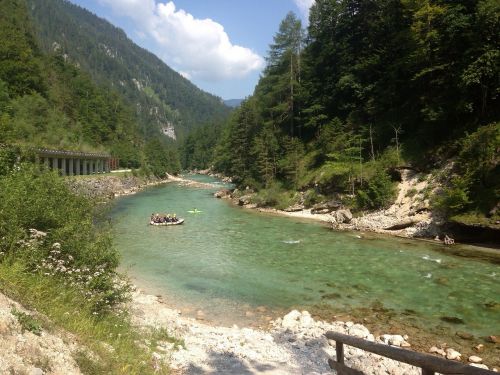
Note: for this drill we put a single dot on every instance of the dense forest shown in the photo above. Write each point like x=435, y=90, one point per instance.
x=370, y=87
x=160, y=96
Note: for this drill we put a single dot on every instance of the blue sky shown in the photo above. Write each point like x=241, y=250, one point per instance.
x=220, y=45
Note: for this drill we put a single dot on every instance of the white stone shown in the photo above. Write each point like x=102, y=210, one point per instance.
x=290, y=320
x=306, y=320
x=396, y=340
x=452, y=354
x=359, y=330
x=475, y=359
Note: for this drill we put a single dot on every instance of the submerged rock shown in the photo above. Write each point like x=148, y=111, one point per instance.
x=452, y=319
x=465, y=335
x=493, y=339
x=331, y=296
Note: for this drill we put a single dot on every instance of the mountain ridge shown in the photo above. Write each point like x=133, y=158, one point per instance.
x=233, y=103
x=163, y=99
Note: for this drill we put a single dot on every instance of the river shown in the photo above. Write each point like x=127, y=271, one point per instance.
x=233, y=265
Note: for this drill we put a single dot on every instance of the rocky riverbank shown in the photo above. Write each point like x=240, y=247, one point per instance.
x=409, y=216
x=109, y=187
x=294, y=344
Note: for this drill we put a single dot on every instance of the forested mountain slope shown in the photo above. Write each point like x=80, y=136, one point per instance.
x=46, y=101
x=162, y=98
x=370, y=88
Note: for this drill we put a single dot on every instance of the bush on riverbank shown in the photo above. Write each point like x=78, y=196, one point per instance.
x=55, y=260
x=67, y=246
x=471, y=190
x=275, y=196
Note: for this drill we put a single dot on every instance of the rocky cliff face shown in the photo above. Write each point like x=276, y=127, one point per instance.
x=410, y=215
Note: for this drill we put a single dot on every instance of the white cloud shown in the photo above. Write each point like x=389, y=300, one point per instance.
x=199, y=48
x=304, y=6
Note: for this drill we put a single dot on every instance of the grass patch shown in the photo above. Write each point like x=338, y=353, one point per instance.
x=476, y=218
x=113, y=342
x=275, y=196
x=160, y=336
x=411, y=193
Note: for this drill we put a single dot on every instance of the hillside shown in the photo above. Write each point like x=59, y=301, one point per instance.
x=162, y=98
x=47, y=101
x=344, y=108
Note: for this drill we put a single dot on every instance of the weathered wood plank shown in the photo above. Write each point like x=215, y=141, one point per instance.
x=429, y=362
x=339, y=348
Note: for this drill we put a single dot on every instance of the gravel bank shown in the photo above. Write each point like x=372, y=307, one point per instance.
x=109, y=187
x=294, y=344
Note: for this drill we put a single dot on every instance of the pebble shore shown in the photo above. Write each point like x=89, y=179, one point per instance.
x=294, y=344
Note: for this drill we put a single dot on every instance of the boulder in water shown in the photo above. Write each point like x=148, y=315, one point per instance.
x=452, y=319
x=224, y=193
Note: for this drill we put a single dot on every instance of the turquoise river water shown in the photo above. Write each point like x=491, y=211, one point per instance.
x=232, y=263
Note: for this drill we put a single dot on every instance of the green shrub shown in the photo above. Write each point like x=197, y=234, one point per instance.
x=27, y=322
x=51, y=230
x=475, y=185
x=411, y=193
x=311, y=197
x=8, y=157
x=379, y=192
x=109, y=343
x=453, y=199
x=275, y=196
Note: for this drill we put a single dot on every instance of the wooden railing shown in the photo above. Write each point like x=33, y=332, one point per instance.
x=428, y=363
